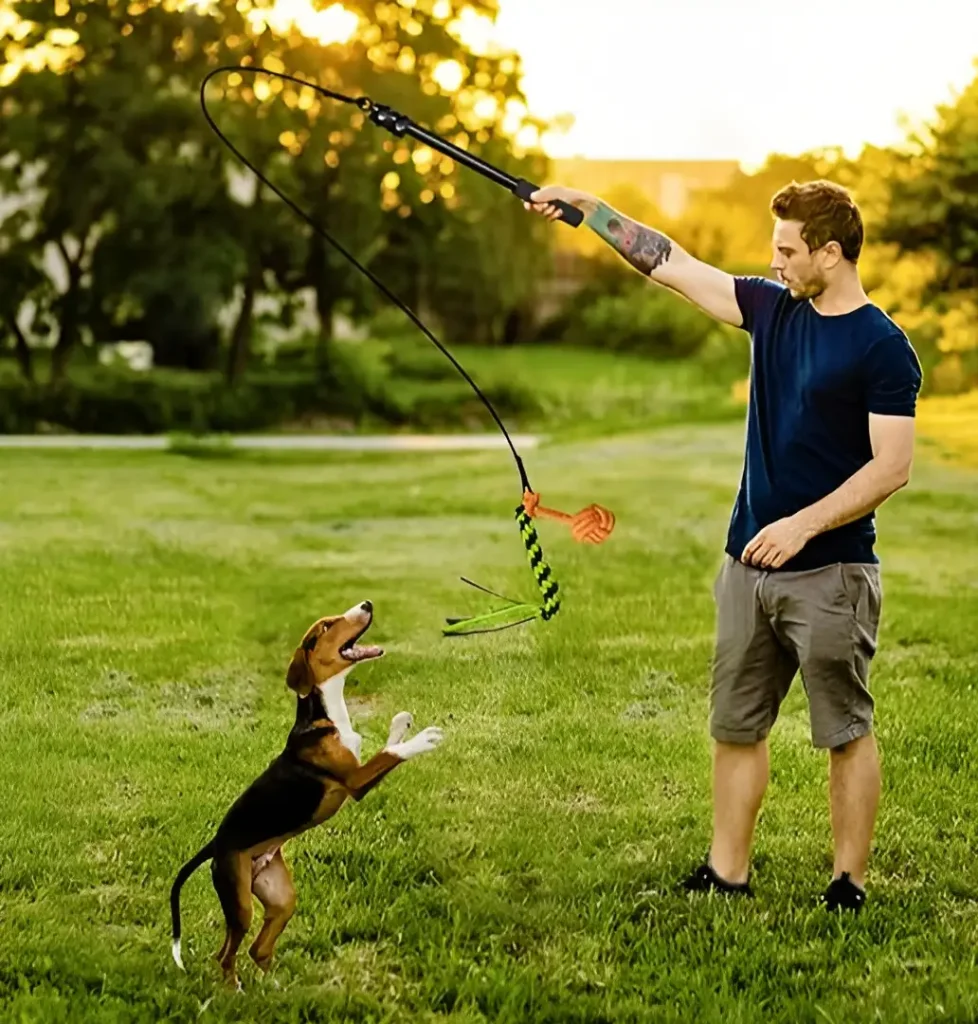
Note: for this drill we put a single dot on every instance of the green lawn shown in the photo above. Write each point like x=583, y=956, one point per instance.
x=576, y=392
x=526, y=870
x=586, y=392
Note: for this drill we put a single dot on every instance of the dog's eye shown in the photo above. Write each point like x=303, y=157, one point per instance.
x=309, y=643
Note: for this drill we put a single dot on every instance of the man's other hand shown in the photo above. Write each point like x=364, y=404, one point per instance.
x=776, y=543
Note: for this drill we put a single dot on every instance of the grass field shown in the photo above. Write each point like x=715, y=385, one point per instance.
x=526, y=870
x=584, y=392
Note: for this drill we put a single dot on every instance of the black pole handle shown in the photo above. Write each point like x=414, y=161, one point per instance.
x=400, y=125
x=568, y=214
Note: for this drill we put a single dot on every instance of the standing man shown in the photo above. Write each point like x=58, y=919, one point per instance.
x=830, y=436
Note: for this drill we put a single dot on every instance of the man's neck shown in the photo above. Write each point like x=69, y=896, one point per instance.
x=841, y=297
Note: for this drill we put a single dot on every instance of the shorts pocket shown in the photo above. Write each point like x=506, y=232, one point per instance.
x=861, y=591
x=849, y=590
x=863, y=598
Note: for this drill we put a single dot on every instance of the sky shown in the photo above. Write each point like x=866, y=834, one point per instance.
x=736, y=79
x=715, y=79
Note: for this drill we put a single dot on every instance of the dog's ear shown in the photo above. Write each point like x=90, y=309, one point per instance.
x=299, y=676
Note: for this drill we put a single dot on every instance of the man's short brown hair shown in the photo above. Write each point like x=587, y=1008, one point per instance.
x=827, y=214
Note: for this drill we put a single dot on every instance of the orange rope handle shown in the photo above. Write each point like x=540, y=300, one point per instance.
x=592, y=525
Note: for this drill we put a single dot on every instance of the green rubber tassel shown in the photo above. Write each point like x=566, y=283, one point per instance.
x=542, y=573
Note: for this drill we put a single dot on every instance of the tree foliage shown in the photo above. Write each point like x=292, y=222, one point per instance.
x=932, y=198
x=136, y=222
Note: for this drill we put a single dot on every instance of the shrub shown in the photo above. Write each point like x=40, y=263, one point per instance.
x=645, y=320
x=361, y=384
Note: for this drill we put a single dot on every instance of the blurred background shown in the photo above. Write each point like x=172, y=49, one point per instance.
x=151, y=285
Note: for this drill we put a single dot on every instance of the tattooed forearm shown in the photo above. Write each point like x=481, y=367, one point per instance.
x=644, y=248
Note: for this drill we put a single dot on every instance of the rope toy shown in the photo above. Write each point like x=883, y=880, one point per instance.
x=592, y=525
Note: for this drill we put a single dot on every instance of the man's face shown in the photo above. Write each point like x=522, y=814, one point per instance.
x=802, y=271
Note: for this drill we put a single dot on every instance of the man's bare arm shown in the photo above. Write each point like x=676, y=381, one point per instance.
x=892, y=440
x=650, y=252
x=645, y=248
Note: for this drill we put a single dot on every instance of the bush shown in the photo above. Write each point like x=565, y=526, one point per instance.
x=645, y=320
x=360, y=385
x=418, y=360
x=602, y=279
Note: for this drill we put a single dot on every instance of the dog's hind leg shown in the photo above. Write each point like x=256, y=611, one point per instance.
x=273, y=887
x=231, y=873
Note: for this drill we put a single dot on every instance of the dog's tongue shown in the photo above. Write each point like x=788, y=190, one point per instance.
x=356, y=653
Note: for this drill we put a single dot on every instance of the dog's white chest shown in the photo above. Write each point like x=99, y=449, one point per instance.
x=335, y=702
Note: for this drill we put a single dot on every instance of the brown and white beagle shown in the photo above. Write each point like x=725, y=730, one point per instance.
x=307, y=783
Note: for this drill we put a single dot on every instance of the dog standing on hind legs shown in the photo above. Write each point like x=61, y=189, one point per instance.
x=311, y=779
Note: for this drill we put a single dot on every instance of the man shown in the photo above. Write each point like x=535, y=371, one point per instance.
x=830, y=436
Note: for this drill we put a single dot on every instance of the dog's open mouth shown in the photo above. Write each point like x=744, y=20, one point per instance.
x=352, y=651
x=356, y=652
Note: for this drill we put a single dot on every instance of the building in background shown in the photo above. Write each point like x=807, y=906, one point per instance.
x=644, y=189
x=665, y=183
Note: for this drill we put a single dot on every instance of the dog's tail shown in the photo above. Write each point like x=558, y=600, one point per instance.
x=183, y=874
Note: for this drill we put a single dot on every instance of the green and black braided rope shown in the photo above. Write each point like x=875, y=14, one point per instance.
x=542, y=573
x=541, y=570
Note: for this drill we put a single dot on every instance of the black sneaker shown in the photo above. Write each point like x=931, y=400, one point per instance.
x=704, y=878
x=844, y=894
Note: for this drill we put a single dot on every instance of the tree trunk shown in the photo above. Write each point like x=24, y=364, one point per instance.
x=67, y=333
x=325, y=307
x=240, y=343
x=22, y=350
x=513, y=327
x=318, y=272
x=318, y=276
x=70, y=321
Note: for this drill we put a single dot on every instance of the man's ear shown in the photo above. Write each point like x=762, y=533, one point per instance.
x=299, y=676
x=832, y=252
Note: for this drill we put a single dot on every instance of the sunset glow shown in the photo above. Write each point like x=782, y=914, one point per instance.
x=699, y=80
x=709, y=79
x=334, y=24
x=449, y=74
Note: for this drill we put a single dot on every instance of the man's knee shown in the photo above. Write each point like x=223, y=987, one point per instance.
x=854, y=739
x=728, y=733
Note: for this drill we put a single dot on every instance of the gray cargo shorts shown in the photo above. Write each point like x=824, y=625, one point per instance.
x=771, y=624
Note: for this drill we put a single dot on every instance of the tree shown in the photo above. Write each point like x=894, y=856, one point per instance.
x=920, y=204
x=390, y=198
x=933, y=196
x=142, y=205
x=96, y=134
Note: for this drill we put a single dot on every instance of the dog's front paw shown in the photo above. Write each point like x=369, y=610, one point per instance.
x=425, y=741
x=428, y=739
x=400, y=724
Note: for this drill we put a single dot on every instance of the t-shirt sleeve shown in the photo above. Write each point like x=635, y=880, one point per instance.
x=893, y=376
x=756, y=297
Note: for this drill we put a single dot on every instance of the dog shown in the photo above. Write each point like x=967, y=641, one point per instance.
x=313, y=777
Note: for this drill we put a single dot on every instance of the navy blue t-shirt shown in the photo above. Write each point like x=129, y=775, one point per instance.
x=814, y=381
